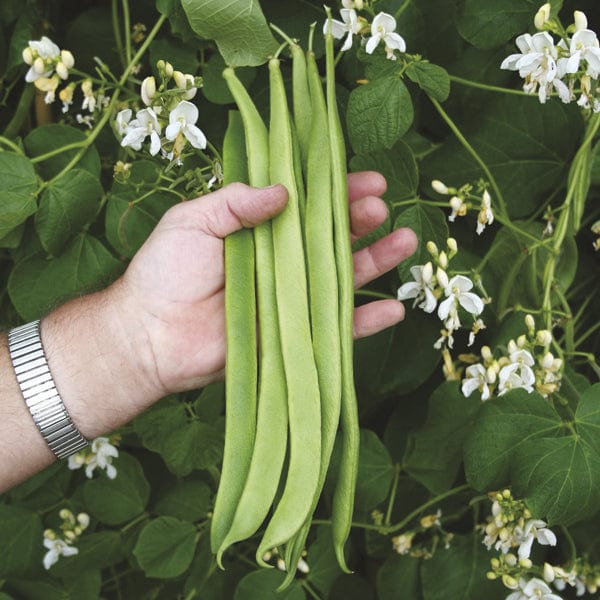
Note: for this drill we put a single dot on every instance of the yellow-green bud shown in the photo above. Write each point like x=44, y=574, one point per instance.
x=439, y=187
x=452, y=245
x=67, y=59
x=491, y=575
x=432, y=248
x=28, y=55
x=38, y=65
x=148, y=90
x=526, y=563
x=510, y=582
x=548, y=573
x=580, y=20
x=543, y=337
x=443, y=260
x=542, y=16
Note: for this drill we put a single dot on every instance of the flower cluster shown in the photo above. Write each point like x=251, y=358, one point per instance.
x=569, y=67
x=61, y=543
x=99, y=455
x=582, y=576
x=381, y=30
x=527, y=364
x=429, y=533
x=280, y=562
x=167, y=108
x=48, y=65
x=461, y=202
x=453, y=291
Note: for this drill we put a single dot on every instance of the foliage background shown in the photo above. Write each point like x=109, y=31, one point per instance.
x=61, y=236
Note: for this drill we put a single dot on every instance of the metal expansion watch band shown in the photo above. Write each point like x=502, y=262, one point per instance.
x=40, y=393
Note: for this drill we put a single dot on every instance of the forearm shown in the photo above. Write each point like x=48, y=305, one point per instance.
x=96, y=355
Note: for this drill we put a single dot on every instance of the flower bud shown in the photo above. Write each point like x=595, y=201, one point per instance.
x=67, y=59
x=442, y=277
x=66, y=515
x=281, y=564
x=439, y=187
x=543, y=337
x=303, y=566
x=557, y=364
x=512, y=346
x=148, y=90
x=547, y=360
x=38, y=65
x=160, y=65
x=596, y=227
x=427, y=272
x=510, y=582
x=180, y=80
x=491, y=575
x=521, y=341
x=548, y=573
x=525, y=563
x=452, y=245
x=83, y=519
x=580, y=20
x=28, y=56
x=530, y=323
x=169, y=69
x=62, y=70
x=70, y=535
x=510, y=559
x=490, y=374
x=542, y=16
x=432, y=248
x=443, y=260
x=486, y=353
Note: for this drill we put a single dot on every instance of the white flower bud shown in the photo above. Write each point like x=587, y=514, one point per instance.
x=526, y=563
x=180, y=80
x=596, y=227
x=169, y=69
x=62, y=70
x=28, y=55
x=521, y=341
x=67, y=59
x=439, y=187
x=542, y=15
x=432, y=248
x=303, y=566
x=510, y=582
x=66, y=515
x=38, y=65
x=443, y=260
x=543, y=337
x=84, y=520
x=490, y=375
x=547, y=360
x=512, y=346
x=452, y=245
x=49, y=534
x=530, y=322
x=557, y=364
x=442, y=277
x=580, y=20
x=510, y=559
x=427, y=272
x=548, y=573
x=70, y=535
x=281, y=564
x=148, y=90
x=486, y=353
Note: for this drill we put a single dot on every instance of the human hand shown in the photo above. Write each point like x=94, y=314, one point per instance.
x=174, y=286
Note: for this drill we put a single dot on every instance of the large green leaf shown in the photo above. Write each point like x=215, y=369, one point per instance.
x=399, y=579
x=324, y=568
x=434, y=451
x=67, y=204
x=459, y=572
x=214, y=87
x=432, y=79
x=262, y=585
x=17, y=193
x=37, y=283
x=379, y=113
x=50, y=139
x=165, y=547
x=527, y=148
x=21, y=534
x=587, y=416
x=238, y=27
x=502, y=426
x=114, y=501
x=187, y=499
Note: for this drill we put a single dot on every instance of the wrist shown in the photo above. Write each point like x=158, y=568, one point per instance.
x=97, y=355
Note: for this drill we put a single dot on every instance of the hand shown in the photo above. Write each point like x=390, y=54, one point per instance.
x=175, y=283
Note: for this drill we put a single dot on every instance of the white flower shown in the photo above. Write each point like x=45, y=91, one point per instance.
x=440, y=187
x=88, y=120
x=56, y=548
x=123, y=119
x=584, y=46
x=535, y=529
x=382, y=29
x=357, y=4
x=182, y=120
x=515, y=376
x=348, y=27
x=185, y=81
x=148, y=90
x=99, y=455
x=485, y=216
x=421, y=289
x=403, y=543
x=534, y=588
x=477, y=379
x=145, y=124
x=89, y=100
x=459, y=208
x=457, y=291
x=45, y=51
x=478, y=325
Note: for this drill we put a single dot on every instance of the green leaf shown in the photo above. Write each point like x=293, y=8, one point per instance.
x=559, y=478
x=379, y=113
x=429, y=224
x=153, y=425
x=397, y=165
x=503, y=425
x=210, y=404
x=399, y=579
x=17, y=193
x=527, y=148
x=66, y=205
x=409, y=344
x=459, y=572
x=262, y=585
x=324, y=568
x=114, y=501
x=180, y=26
x=488, y=25
x=21, y=533
x=375, y=472
x=188, y=499
x=183, y=57
x=165, y=547
x=238, y=27
x=587, y=417
x=434, y=451
x=50, y=138
x=432, y=79
x=36, y=283
x=84, y=586
x=214, y=87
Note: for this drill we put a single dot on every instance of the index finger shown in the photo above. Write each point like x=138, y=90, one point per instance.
x=365, y=183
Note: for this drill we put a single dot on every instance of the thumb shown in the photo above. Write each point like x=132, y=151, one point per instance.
x=236, y=206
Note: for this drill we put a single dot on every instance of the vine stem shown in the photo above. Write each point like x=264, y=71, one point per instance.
x=113, y=102
x=404, y=6
x=487, y=87
x=461, y=138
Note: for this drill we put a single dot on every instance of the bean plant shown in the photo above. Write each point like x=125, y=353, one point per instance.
x=479, y=456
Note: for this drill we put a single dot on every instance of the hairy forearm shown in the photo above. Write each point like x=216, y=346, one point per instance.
x=97, y=356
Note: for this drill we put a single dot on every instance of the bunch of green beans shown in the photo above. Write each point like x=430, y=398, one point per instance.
x=289, y=322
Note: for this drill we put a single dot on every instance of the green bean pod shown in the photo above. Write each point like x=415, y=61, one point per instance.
x=300, y=95
x=323, y=287
x=272, y=419
x=298, y=358
x=241, y=358
x=343, y=500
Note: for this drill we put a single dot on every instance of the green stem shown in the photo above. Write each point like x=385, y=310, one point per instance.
x=420, y=201
x=11, y=145
x=404, y=6
x=59, y=150
x=571, y=543
x=127, y=30
x=135, y=521
x=373, y=294
x=117, y=32
x=461, y=138
x=21, y=112
x=113, y=102
x=584, y=336
x=308, y=588
x=489, y=88
x=388, y=514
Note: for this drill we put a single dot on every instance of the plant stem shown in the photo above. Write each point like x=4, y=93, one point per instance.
x=11, y=145
x=373, y=294
x=127, y=30
x=117, y=32
x=388, y=514
x=404, y=6
x=461, y=138
x=489, y=88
